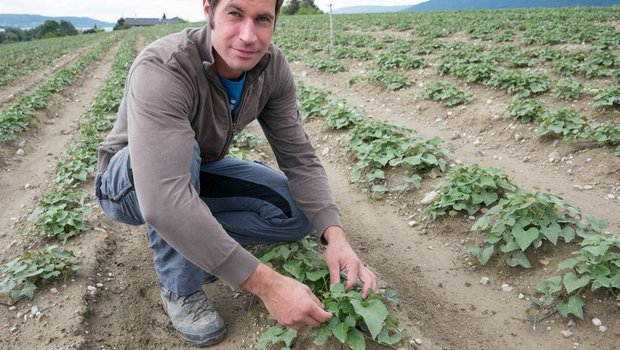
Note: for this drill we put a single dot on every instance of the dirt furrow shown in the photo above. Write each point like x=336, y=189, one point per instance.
x=35, y=78
x=24, y=179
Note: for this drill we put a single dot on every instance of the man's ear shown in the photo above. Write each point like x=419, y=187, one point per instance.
x=206, y=8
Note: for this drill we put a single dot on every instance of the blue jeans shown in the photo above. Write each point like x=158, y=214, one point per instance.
x=250, y=200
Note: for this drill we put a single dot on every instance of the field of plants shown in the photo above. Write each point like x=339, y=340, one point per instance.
x=475, y=158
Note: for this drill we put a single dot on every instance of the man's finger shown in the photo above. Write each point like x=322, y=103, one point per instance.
x=319, y=315
x=334, y=273
x=352, y=277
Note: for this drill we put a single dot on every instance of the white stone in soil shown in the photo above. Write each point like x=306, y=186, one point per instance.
x=484, y=281
x=596, y=322
x=412, y=223
x=35, y=310
x=506, y=287
x=567, y=333
x=429, y=197
x=602, y=329
x=20, y=152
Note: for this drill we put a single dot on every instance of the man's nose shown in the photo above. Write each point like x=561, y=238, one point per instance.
x=247, y=32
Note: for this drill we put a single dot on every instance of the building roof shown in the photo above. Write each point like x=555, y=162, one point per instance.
x=143, y=22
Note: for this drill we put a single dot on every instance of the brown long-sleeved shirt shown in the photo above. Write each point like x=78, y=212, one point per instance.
x=173, y=96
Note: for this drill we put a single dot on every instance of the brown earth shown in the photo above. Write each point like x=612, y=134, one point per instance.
x=427, y=265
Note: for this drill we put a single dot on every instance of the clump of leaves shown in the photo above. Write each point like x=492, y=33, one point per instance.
x=526, y=219
x=339, y=116
x=519, y=83
x=567, y=89
x=327, y=64
x=526, y=110
x=24, y=272
x=608, y=97
x=396, y=59
x=469, y=188
x=596, y=264
x=608, y=133
x=78, y=162
x=446, y=92
x=565, y=122
x=391, y=80
x=311, y=101
x=377, y=145
x=354, y=320
x=60, y=215
x=243, y=144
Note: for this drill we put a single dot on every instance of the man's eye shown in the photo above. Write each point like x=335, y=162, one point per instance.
x=264, y=19
x=234, y=14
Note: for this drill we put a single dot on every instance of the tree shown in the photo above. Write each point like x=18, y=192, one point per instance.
x=309, y=4
x=292, y=7
x=49, y=29
x=121, y=24
x=66, y=28
x=164, y=16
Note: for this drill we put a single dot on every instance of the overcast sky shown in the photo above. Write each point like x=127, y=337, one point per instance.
x=111, y=10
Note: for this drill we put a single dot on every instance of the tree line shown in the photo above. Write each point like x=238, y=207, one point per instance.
x=303, y=7
x=48, y=29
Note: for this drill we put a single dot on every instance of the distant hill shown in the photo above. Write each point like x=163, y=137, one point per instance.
x=370, y=9
x=436, y=5
x=31, y=21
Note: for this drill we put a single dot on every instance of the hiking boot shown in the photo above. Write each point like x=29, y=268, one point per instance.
x=194, y=317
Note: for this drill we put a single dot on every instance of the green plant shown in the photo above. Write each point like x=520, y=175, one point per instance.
x=608, y=133
x=377, y=145
x=526, y=110
x=565, y=122
x=25, y=271
x=60, y=215
x=339, y=116
x=392, y=81
x=526, y=219
x=396, y=59
x=243, y=143
x=608, y=97
x=596, y=264
x=469, y=188
x=447, y=92
x=520, y=83
x=311, y=101
x=354, y=320
x=567, y=89
x=326, y=64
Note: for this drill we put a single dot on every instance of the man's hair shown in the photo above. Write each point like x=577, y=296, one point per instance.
x=213, y=4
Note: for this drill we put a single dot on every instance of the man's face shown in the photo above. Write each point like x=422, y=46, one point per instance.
x=242, y=31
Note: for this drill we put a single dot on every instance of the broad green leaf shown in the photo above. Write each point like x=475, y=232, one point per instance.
x=321, y=334
x=518, y=258
x=572, y=282
x=355, y=340
x=373, y=312
x=340, y=331
x=550, y=286
x=525, y=237
x=567, y=264
x=574, y=306
x=482, y=254
x=552, y=232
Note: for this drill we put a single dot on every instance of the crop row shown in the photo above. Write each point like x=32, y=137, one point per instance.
x=19, y=115
x=60, y=214
x=515, y=222
x=19, y=59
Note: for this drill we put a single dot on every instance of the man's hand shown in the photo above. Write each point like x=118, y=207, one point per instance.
x=289, y=301
x=339, y=256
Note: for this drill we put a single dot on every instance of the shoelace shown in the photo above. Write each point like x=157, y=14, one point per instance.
x=197, y=303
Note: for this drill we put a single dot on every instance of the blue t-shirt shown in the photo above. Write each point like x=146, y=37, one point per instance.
x=234, y=89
